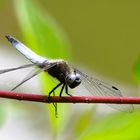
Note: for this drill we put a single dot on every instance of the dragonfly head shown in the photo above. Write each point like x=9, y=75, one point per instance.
x=73, y=80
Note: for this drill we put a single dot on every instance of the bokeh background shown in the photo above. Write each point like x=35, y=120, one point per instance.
x=102, y=37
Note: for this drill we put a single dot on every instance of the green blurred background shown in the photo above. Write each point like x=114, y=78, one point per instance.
x=104, y=35
x=101, y=36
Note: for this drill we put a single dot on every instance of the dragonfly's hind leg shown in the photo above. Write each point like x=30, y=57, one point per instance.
x=49, y=95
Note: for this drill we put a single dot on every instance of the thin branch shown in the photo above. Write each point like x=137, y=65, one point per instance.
x=69, y=99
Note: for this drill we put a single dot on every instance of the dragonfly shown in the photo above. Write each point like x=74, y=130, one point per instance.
x=67, y=75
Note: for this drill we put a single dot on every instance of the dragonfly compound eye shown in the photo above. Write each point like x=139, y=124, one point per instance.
x=75, y=81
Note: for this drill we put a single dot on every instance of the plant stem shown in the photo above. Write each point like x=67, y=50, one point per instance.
x=69, y=99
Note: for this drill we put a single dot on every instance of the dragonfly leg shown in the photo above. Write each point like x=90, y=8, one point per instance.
x=62, y=90
x=66, y=90
x=49, y=96
x=55, y=108
x=52, y=91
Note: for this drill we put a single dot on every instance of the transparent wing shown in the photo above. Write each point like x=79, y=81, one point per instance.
x=99, y=88
x=33, y=73
x=16, y=68
x=28, y=77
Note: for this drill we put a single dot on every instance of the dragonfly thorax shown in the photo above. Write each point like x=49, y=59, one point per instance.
x=65, y=74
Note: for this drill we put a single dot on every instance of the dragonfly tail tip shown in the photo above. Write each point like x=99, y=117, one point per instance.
x=11, y=39
x=8, y=37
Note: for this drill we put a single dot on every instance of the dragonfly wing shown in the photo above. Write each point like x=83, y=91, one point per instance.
x=99, y=88
x=28, y=77
x=28, y=53
x=34, y=73
x=16, y=68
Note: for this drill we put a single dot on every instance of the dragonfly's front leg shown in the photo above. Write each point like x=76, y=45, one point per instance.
x=62, y=89
x=66, y=90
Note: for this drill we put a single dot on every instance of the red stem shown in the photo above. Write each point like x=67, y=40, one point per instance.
x=69, y=99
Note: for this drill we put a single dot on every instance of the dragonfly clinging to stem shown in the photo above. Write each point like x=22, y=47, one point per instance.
x=68, y=76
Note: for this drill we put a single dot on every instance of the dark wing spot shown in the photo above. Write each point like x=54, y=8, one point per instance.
x=114, y=88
